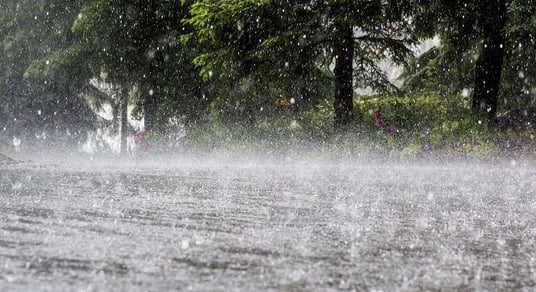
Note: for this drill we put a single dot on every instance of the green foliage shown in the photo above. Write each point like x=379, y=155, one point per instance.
x=519, y=80
x=63, y=67
x=439, y=71
x=281, y=41
x=136, y=44
x=217, y=66
x=122, y=34
x=423, y=125
x=449, y=68
x=412, y=150
x=435, y=121
x=483, y=149
x=45, y=107
x=264, y=135
x=318, y=121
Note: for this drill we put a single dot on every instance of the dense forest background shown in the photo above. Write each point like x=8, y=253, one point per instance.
x=286, y=71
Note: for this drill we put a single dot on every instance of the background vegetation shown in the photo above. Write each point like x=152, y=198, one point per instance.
x=220, y=74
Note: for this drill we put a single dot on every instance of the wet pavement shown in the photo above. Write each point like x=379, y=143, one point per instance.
x=292, y=226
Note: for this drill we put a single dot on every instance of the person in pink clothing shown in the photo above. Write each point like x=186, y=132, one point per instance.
x=142, y=146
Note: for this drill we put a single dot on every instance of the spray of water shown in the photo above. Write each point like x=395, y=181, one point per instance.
x=300, y=222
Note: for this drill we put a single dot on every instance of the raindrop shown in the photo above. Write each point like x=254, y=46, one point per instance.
x=185, y=244
x=16, y=142
x=16, y=186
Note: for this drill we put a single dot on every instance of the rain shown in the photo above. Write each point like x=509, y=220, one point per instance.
x=237, y=145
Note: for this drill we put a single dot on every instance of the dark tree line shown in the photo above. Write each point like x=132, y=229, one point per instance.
x=181, y=59
x=486, y=46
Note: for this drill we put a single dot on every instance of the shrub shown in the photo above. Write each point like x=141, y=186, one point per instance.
x=410, y=127
x=483, y=149
x=432, y=120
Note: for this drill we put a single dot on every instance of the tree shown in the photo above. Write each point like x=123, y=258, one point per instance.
x=495, y=31
x=113, y=32
x=244, y=36
x=42, y=108
x=489, y=64
x=135, y=44
x=519, y=81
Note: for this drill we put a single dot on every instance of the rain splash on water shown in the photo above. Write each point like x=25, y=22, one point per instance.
x=267, y=224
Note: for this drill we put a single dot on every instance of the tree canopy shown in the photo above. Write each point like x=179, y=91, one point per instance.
x=31, y=31
x=243, y=60
x=486, y=47
x=285, y=38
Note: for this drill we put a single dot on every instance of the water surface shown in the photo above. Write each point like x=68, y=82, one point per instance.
x=267, y=225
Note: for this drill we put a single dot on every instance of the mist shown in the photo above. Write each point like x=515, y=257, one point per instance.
x=263, y=223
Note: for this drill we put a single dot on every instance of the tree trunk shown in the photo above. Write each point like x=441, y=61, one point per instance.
x=344, y=89
x=115, y=116
x=150, y=109
x=124, y=119
x=490, y=62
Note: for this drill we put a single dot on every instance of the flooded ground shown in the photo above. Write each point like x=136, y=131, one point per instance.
x=286, y=226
